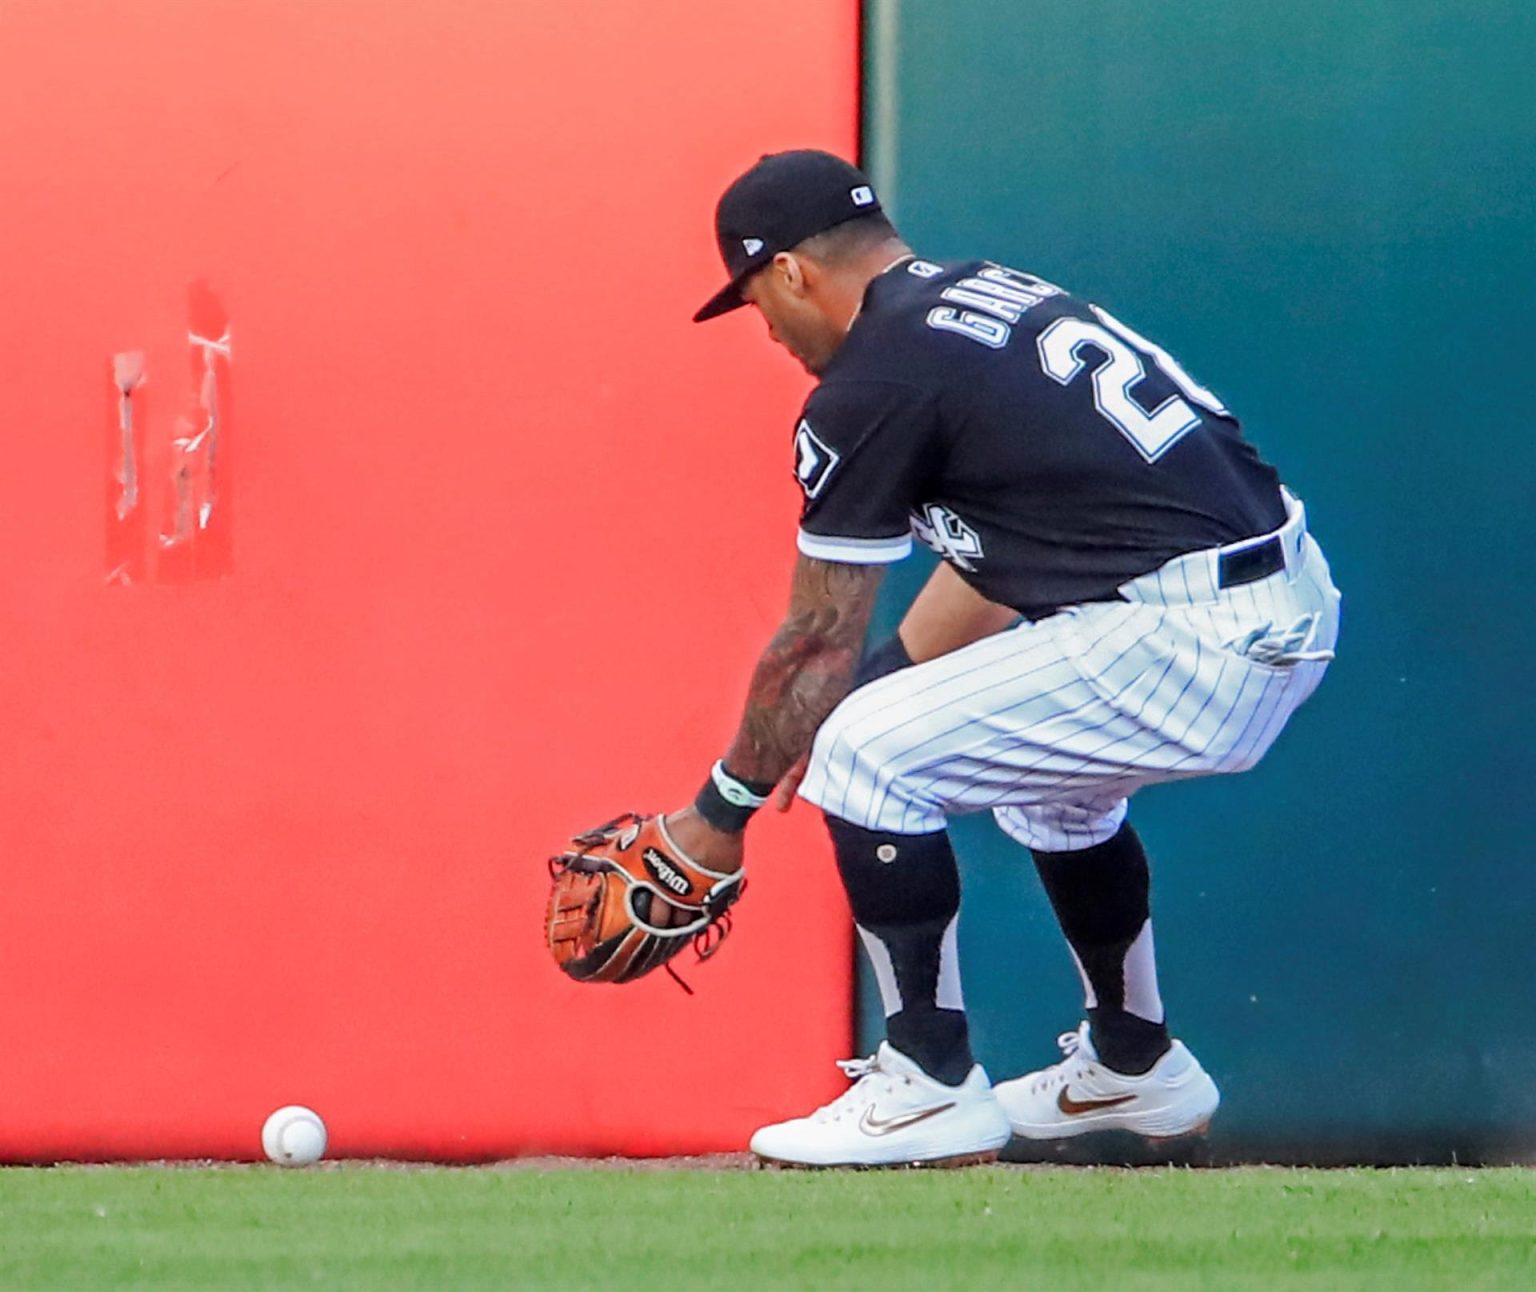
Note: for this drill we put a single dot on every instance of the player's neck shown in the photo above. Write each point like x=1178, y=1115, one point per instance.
x=870, y=266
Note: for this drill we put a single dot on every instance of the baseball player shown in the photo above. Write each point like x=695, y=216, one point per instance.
x=1127, y=595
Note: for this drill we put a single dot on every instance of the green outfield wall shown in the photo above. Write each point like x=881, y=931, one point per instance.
x=1327, y=211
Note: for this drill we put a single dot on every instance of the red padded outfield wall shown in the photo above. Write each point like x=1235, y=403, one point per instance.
x=372, y=517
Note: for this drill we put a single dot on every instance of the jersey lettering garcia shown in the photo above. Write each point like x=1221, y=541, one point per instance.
x=1040, y=446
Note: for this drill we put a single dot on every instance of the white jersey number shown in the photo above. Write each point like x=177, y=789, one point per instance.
x=1152, y=433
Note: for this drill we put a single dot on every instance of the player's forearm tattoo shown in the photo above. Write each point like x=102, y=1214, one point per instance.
x=807, y=667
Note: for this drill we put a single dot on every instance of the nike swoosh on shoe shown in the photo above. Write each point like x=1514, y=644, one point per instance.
x=1073, y=1107
x=872, y=1125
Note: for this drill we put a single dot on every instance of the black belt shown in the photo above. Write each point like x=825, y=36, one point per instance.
x=1250, y=564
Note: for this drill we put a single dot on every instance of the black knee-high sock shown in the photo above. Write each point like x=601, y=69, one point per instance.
x=905, y=894
x=1102, y=897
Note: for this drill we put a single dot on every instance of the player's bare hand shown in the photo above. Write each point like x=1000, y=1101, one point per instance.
x=789, y=783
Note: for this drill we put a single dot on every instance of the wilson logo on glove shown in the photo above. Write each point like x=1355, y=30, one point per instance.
x=617, y=911
x=664, y=874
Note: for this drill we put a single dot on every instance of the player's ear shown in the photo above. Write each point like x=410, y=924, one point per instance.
x=791, y=273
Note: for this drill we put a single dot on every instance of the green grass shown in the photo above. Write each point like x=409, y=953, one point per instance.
x=1058, y=1229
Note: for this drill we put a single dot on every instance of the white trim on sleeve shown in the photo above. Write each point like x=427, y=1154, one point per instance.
x=855, y=551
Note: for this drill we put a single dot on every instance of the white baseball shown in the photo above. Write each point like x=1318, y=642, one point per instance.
x=294, y=1136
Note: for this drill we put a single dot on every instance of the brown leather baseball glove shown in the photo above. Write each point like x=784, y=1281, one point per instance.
x=626, y=899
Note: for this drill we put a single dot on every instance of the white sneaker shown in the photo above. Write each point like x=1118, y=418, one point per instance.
x=1176, y=1096
x=894, y=1114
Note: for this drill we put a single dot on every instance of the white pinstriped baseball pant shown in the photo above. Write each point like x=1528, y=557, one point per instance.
x=1053, y=725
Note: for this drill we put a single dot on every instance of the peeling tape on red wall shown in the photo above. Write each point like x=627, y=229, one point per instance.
x=127, y=418
x=169, y=478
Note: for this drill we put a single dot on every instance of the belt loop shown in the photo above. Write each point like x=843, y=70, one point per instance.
x=1210, y=567
x=1294, y=542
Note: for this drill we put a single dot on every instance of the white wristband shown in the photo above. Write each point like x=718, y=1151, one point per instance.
x=732, y=790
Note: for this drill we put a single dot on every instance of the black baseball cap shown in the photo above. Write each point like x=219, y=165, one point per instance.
x=783, y=200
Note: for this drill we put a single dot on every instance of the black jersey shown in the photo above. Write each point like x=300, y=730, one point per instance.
x=1040, y=446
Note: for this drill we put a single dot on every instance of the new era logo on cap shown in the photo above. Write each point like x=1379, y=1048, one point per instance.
x=863, y=195
x=753, y=245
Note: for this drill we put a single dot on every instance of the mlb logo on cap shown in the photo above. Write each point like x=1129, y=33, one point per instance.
x=863, y=195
